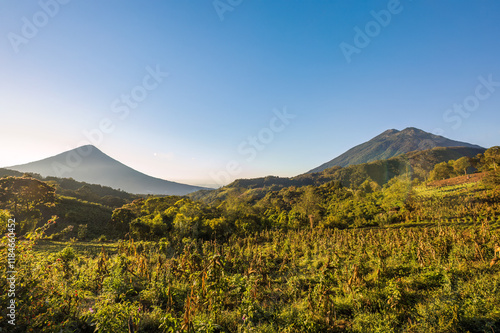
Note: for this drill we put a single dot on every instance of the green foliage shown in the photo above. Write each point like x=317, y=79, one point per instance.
x=492, y=158
x=4, y=218
x=426, y=279
x=103, y=195
x=461, y=165
x=492, y=178
x=443, y=170
x=82, y=232
x=369, y=186
x=26, y=198
x=75, y=212
x=69, y=187
x=398, y=194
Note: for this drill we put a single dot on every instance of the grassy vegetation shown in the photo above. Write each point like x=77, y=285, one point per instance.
x=425, y=279
x=434, y=191
x=46, y=246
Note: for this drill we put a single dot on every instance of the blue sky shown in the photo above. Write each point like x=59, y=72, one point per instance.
x=69, y=67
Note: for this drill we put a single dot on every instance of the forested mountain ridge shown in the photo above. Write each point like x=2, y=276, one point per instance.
x=389, y=144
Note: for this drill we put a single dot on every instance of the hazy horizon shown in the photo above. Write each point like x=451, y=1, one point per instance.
x=80, y=153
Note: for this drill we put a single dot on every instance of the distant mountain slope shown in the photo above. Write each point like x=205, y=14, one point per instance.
x=389, y=144
x=417, y=163
x=69, y=187
x=99, y=168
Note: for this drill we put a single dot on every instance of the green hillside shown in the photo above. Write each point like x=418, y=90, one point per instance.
x=417, y=165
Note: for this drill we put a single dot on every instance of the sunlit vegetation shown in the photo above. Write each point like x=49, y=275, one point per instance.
x=400, y=255
x=425, y=279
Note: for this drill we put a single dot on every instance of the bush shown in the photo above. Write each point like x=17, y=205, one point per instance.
x=333, y=221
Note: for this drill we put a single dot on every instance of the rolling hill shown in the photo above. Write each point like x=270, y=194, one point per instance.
x=389, y=144
x=89, y=164
x=417, y=164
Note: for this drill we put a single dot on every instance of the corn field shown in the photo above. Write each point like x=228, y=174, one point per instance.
x=425, y=279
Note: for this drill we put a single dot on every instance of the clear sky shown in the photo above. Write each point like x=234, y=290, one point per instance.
x=194, y=91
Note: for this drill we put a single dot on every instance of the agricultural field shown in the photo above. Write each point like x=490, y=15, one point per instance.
x=407, y=256
x=412, y=279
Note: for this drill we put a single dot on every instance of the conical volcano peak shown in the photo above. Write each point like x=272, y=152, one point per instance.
x=89, y=164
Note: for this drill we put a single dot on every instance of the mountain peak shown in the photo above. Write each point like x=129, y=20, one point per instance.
x=389, y=144
x=386, y=134
x=86, y=150
x=389, y=132
x=413, y=131
x=89, y=164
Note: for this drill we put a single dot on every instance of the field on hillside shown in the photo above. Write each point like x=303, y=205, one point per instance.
x=466, y=179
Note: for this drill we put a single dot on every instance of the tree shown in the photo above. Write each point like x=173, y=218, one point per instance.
x=398, y=193
x=492, y=157
x=4, y=218
x=461, y=165
x=441, y=171
x=477, y=162
x=369, y=186
x=24, y=196
x=121, y=219
x=310, y=204
x=492, y=161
